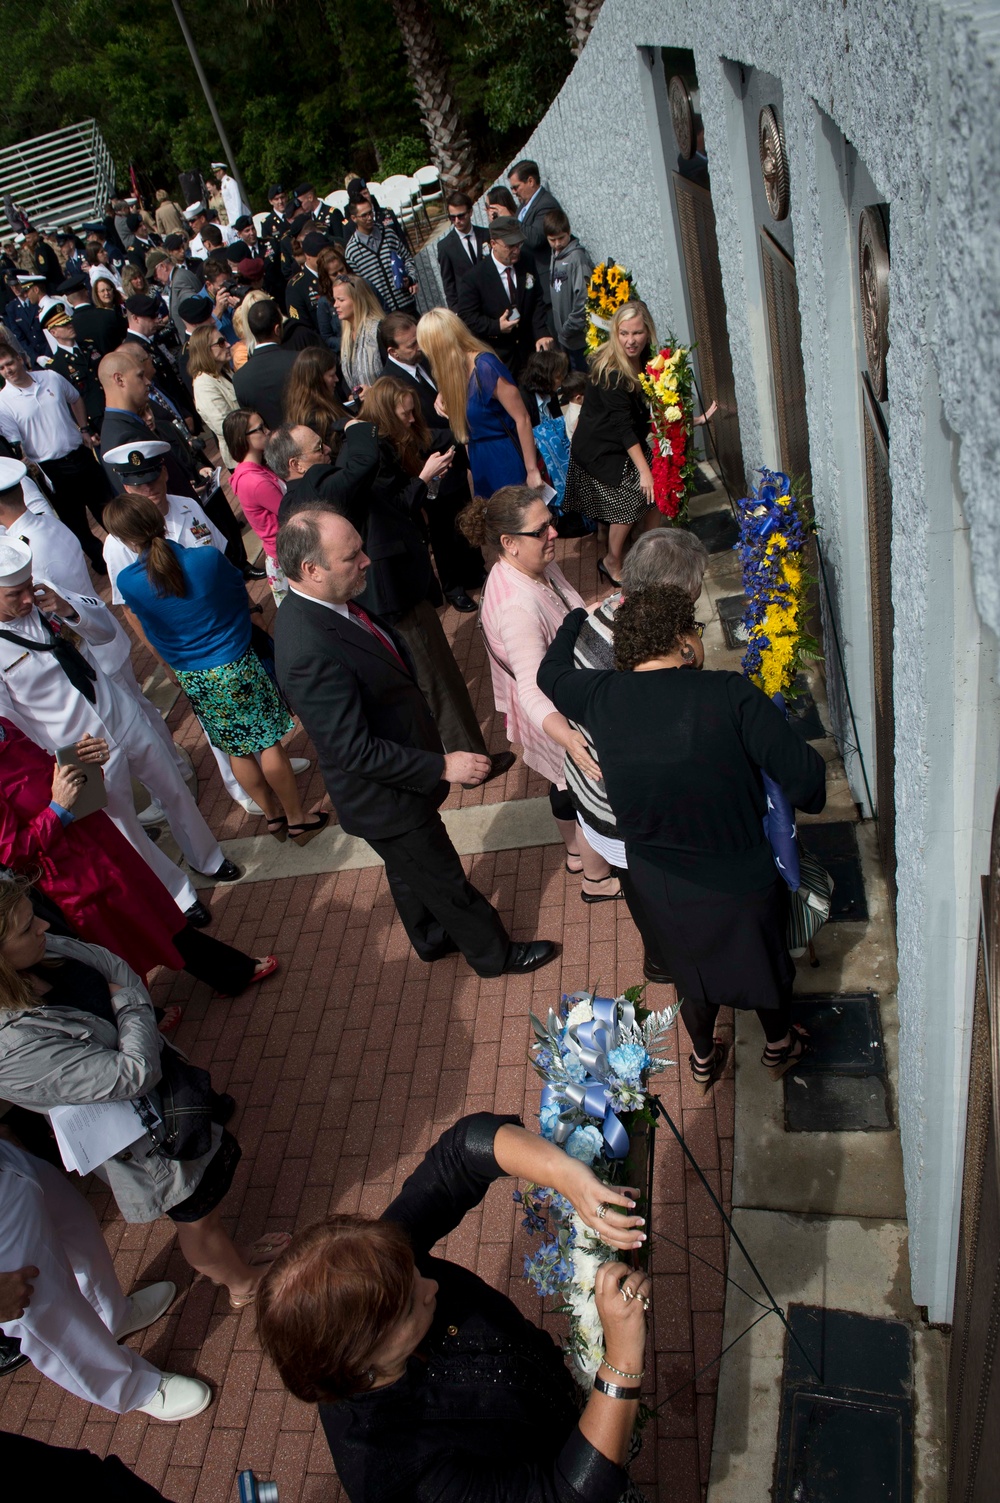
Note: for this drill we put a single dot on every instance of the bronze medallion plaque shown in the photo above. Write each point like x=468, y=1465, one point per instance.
x=873, y=278
x=773, y=161
x=682, y=115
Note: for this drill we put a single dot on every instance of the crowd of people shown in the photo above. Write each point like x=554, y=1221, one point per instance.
x=175, y=381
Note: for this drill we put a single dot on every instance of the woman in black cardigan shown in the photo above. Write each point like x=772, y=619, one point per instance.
x=431, y=1385
x=681, y=754
x=609, y=467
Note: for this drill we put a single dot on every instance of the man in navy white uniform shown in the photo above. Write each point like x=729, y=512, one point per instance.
x=54, y=695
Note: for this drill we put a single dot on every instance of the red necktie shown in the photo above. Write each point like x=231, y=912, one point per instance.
x=364, y=620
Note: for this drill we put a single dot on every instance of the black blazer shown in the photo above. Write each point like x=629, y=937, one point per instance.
x=612, y=419
x=483, y=298
x=101, y=329
x=260, y=383
x=455, y=482
x=533, y=225
x=425, y=393
x=454, y=261
x=487, y=1409
x=164, y=375
x=378, y=747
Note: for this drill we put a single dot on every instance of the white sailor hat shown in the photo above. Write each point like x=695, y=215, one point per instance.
x=26, y=278
x=142, y=460
x=12, y=472
x=193, y=210
x=15, y=562
x=220, y=166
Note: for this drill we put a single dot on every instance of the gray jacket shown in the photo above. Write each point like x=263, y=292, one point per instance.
x=56, y=1056
x=570, y=272
x=184, y=283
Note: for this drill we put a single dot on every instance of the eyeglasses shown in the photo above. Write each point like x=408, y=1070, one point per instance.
x=252, y=431
x=699, y=627
x=537, y=532
x=217, y=344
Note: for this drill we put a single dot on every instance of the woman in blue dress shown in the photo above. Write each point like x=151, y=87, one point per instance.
x=479, y=397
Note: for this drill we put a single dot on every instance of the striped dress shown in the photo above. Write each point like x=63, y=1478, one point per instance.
x=595, y=649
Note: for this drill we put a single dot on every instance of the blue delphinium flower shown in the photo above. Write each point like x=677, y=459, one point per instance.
x=547, y=1269
x=584, y=1143
x=628, y=1062
x=543, y=1059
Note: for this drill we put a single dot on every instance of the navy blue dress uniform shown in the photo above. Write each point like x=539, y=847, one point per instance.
x=79, y=366
x=100, y=329
x=21, y=318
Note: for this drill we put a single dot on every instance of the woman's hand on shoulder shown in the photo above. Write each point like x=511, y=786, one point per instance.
x=576, y=746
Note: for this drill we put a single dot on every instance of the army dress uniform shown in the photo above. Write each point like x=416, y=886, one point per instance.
x=303, y=295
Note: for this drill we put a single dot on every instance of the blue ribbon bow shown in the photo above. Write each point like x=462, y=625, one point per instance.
x=592, y=1042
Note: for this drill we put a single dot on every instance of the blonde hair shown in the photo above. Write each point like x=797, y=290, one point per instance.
x=256, y=295
x=200, y=360
x=447, y=343
x=611, y=358
x=15, y=992
x=367, y=309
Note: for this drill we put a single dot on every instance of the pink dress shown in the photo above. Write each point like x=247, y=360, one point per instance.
x=259, y=492
x=520, y=617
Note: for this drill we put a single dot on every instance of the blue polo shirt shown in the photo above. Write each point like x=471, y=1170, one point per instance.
x=204, y=628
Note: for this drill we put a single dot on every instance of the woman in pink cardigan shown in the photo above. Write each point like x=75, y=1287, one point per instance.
x=526, y=598
x=256, y=488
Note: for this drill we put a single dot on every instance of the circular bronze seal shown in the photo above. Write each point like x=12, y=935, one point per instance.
x=873, y=280
x=773, y=161
x=682, y=115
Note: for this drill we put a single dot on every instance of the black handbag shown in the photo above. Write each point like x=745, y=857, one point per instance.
x=183, y=1108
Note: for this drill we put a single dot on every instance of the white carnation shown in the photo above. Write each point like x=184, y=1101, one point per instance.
x=583, y=1012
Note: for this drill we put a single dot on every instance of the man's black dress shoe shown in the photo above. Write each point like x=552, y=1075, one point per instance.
x=461, y=601
x=525, y=958
x=500, y=762
x=198, y=915
x=254, y=571
x=11, y=1356
x=228, y=872
x=653, y=972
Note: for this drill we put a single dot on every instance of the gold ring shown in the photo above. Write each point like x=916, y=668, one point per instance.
x=627, y=1293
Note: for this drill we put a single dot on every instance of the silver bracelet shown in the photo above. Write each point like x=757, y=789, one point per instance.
x=615, y=1390
x=611, y=1367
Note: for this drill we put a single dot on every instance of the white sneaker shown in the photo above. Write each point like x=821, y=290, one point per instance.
x=147, y=1305
x=299, y=764
x=177, y=1398
x=153, y=814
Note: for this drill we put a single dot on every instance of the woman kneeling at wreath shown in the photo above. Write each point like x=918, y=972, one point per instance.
x=431, y=1384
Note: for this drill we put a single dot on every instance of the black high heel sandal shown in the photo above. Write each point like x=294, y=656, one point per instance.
x=778, y=1062
x=302, y=834
x=706, y=1074
x=606, y=572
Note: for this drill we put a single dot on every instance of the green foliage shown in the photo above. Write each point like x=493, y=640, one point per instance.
x=304, y=90
x=405, y=156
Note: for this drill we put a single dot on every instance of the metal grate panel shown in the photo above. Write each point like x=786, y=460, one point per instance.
x=708, y=317
x=64, y=177
x=785, y=338
x=878, y=500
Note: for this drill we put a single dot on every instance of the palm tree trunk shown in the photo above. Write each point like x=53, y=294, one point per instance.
x=451, y=147
x=580, y=18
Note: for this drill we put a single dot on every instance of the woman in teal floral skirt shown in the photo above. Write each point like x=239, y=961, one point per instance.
x=192, y=606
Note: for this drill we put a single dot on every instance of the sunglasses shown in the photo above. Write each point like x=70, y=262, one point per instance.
x=456, y=217
x=537, y=532
x=217, y=344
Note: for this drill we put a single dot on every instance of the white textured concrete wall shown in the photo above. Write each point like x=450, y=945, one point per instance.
x=914, y=89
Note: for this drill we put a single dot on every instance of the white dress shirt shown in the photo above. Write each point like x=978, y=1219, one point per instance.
x=417, y=372
x=38, y=417
x=525, y=207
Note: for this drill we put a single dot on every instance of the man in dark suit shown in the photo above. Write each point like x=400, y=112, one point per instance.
x=349, y=680
x=99, y=330
x=502, y=302
x=461, y=249
x=459, y=565
x=260, y=383
x=535, y=202
x=142, y=314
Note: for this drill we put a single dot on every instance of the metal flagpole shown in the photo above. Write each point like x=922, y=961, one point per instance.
x=210, y=98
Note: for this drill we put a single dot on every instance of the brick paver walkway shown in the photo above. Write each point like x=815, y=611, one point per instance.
x=346, y=1066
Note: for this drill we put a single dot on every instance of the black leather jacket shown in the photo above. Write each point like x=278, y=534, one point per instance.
x=486, y=1411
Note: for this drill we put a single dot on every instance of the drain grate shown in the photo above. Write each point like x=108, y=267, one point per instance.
x=841, y=1085
x=732, y=609
x=835, y=846
x=848, y=1436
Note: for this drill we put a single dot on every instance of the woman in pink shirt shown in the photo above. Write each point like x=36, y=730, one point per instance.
x=524, y=602
x=256, y=488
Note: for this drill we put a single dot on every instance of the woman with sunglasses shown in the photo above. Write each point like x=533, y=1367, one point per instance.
x=525, y=600
x=209, y=364
x=257, y=488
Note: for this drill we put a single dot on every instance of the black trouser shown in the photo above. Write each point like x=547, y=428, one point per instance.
x=218, y=511
x=440, y=678
x=224, y=968
x=55, y=1471
x=459, y=565
x=79, y=483
x=699, y=1020
x=642, y=921
x=435, y=900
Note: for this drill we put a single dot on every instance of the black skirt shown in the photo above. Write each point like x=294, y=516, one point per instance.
x=728, y=949
x=214, y=1183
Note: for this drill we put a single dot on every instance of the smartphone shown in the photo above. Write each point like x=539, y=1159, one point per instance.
x=513, y=316
x=93, y=795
